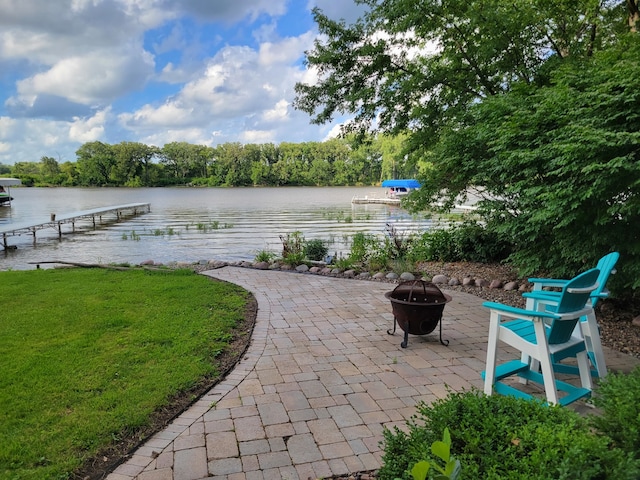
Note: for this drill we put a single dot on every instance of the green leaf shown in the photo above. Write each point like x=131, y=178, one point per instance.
x=420, y=470
x=441, y=450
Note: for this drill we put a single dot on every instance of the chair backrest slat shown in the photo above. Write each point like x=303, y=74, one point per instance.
x=574, y=297
x=606, y=265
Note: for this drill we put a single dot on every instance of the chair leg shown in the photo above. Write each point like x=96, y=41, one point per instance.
x=594, y=345
x=492, y=353
x=585, y=371
x=546, y=367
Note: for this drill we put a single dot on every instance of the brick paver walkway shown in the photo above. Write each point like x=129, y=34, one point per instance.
x=319, y=382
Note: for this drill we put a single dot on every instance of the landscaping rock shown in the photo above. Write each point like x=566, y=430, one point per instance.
x=407, y=276
x=495, y=284
x=336, y=271
x=302, y=268
x=147, y=262
x=364, y=275
x=325, y=271
x=636, y=321
x=261, y=265
x=379, y=275
x=511, y=286
x=481, y=282
x=349, y=273
x=454, y=282
x=391, y=276
x=468, y=282
x=314, y=269
x=440, y=279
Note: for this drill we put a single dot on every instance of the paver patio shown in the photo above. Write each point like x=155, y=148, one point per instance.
x=319, y=382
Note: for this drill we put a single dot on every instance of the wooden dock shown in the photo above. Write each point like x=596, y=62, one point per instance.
x=57, y=221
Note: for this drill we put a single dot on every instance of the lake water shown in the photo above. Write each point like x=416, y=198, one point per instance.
x=193, y=224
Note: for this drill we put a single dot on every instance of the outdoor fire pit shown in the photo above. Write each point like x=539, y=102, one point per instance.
x=417, y=307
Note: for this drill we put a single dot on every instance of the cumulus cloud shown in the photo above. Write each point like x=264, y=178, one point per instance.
x=91, y=79
x=90, y=129
x=238, y=81
x=154, y=71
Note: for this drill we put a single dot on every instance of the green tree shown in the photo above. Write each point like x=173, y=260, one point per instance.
x=50, y=170
x=534, y=103
x=95, y=162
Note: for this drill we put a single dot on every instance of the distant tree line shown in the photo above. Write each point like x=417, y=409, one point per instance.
x=334, y=162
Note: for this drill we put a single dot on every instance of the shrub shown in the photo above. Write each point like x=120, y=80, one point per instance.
x=474, y=243
x=363, y=247
x=500, y=437
x=315, y=249
x=618, y=397
x=264, y=256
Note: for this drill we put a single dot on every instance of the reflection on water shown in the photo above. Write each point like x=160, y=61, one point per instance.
x=189, y=224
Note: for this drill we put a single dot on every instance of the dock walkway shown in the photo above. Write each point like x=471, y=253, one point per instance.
x=56, y=221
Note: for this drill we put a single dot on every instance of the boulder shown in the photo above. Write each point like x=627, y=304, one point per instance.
x=261, y=265
x=302, y=268
x=454, y=282
x=496, y=284
x=407, y=276
x=349, y=273
x=364, y=275
x=379, y=275
x=147, y=262
x=468, y=282
x=481, y=282
x=636, y=321
x=440, y=279
x=509, y=286
x=391, y=276
x=314, y=269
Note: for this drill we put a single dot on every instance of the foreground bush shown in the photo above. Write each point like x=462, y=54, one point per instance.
x=619, y=398
x=498, y=437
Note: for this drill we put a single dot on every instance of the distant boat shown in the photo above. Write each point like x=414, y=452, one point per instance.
x=400, y=188
x=396, y=189
x=5, y=192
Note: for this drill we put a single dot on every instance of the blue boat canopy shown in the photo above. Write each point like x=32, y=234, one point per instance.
x=410, y=183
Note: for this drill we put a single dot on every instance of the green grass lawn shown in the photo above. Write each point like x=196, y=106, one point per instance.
x=86, y=355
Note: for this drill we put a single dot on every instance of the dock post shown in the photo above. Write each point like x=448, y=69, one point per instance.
x=59, y=230
x=4, y=240
x=73, y=227
x=93, y=219
x=34, y=235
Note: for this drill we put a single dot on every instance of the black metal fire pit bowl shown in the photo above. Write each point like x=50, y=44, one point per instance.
x=417, y=307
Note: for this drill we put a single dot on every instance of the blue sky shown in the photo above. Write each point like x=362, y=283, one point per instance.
x=154, y=71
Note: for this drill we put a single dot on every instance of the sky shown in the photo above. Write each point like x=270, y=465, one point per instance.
x=154, y=71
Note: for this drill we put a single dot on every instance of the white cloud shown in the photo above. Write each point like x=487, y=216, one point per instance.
x=278, y=113
x=92, y=79
x=257, y=136
x=84, y=130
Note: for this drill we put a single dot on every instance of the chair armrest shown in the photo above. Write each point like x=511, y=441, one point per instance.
x=518, y=312
x=539, y=283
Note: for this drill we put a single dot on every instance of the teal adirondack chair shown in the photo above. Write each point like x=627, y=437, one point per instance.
x=539, y=334
x=588, y=323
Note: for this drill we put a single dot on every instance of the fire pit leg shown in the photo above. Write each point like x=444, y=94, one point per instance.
x=389, y=332
x=443, y=342
x=405, y=342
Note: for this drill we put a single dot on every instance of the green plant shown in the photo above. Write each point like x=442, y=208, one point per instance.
x=315, y=249
x=617, y=396
x=501, y=437
x=264, y=256
x=292, y=244
x=442, y=450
